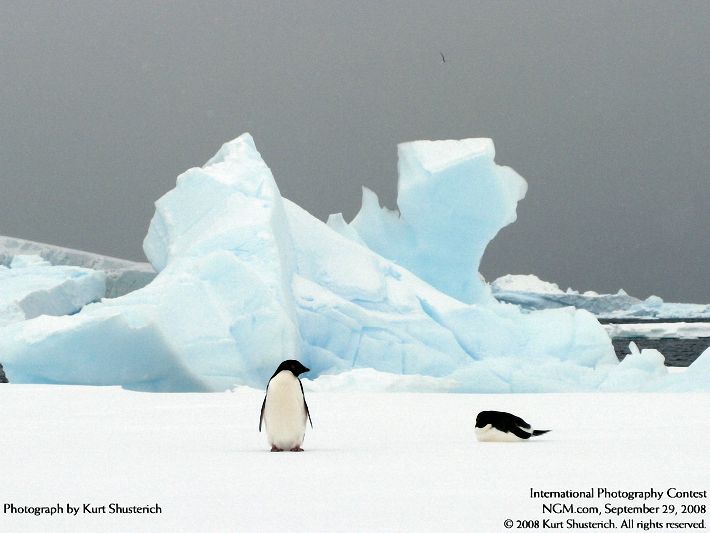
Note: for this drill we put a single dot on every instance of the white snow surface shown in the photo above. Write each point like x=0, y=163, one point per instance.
x=373, y=462
x=32, y=287
x=247, y=279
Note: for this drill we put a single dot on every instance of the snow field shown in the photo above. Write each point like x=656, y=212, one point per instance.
x=373, y=462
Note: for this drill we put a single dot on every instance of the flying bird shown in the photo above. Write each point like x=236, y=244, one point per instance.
x=498, y=426
x=443, y=59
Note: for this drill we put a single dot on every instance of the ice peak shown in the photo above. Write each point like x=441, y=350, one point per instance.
x=239, y=148
x=435, y=156
x=452, y=199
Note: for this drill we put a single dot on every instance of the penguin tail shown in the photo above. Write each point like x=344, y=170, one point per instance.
x=537, y=432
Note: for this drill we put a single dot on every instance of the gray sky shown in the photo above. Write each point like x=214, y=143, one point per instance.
x=604, y=107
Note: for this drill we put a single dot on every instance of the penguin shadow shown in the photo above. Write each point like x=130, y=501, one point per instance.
x=305, y=451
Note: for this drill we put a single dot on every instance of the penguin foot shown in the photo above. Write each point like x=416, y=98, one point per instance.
x=275, y=449
x=297, y=449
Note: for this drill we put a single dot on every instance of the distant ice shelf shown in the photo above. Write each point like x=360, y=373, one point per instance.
x=531, y=293
x=31, y=287
x=122, y=276
x=677, y=330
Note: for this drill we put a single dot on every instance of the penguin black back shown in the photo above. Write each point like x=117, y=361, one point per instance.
x=505, y=424
x=500, y=420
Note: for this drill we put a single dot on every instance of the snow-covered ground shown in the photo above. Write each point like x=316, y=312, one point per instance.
x=373, y=462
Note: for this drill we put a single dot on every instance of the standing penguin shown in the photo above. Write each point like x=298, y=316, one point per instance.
x=498, y=426
x=284, y=411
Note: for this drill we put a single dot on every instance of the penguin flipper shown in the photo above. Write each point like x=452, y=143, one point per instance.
x=308, y=413
x=540, y=432
x=261, y=417
x=519, y=422
x=519, y=432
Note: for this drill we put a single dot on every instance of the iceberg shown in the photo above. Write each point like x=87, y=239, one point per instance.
x=357, y=309
x=246, y=278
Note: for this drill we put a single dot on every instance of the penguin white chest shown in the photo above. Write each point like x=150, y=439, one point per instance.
x=285, y=411
x=490, y=434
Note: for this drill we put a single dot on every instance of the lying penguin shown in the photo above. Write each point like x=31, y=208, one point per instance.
x=284, y=410
x=497, y=426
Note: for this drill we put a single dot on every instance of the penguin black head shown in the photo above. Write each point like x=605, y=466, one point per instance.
x=295, y=367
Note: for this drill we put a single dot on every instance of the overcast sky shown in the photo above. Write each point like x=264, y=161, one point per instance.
x=604, y=107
